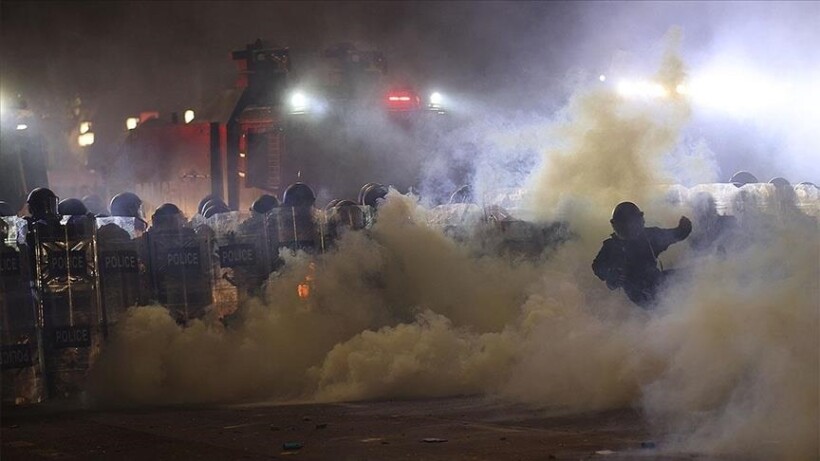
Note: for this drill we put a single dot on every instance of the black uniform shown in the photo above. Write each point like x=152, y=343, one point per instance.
x=633, y=264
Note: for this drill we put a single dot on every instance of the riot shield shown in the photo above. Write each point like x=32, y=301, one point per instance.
x=808, y=199
x=122, y=269
x=456, y=220
x=245, y=258
x=230, y=252
x=181, y=271
x=343, y=219
x=22, y=365
x=298, y=228
x=66, y=288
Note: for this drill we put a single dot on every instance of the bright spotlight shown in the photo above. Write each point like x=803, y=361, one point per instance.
x=602, y=77
x=86, y=139
x=738, y=91
x=656, y=90
x=22, y=126
x=85, y=127
x=436, y=98
x=189, y=116
x=131, y=122
x=298, y=102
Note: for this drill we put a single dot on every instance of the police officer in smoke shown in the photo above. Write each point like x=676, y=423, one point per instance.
x=178, y=264
x=43, y=220
x=714, y=232
x=629, y=258
x=251, y=279
x=297, y=224
x=129, y=205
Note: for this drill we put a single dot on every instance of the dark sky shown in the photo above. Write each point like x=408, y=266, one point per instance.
x=167, y=54
x=163, y=54
x=125, y=57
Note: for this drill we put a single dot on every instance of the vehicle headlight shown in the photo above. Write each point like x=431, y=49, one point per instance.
x=298, y=101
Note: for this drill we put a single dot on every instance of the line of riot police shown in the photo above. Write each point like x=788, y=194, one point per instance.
x=67, y=276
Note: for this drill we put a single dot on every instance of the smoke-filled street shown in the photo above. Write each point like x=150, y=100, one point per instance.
x=410, y=231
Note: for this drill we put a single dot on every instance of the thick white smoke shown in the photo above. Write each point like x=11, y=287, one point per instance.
x=727, y=364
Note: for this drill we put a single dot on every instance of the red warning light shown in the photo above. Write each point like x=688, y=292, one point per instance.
x=400, y=100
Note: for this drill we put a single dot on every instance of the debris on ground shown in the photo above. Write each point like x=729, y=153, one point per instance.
x=371, y=439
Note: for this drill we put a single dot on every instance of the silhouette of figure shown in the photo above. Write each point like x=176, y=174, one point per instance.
x=629, y=258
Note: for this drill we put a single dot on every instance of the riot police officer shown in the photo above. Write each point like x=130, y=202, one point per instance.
x=179, y=264
x=42, y=204
x=129, y=205
x=72, y=207
x=205, y=202
x=629, y=258
x=66, y=291
x=741, y=178
x=714, y=232
x=214, y=208
x=298, y=195
x=264, y=204
x=78, y=224
x=258, y=235
x=372, y=194
x=296, y=220
x=95, y=204
x=43, y=219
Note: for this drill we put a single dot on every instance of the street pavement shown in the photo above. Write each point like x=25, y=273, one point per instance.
x=467, y=428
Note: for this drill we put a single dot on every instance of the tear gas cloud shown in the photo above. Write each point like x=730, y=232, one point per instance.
x=728, y=363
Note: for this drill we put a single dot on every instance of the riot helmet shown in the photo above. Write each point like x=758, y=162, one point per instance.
x=779, y=181
x=126, y=204
x=348, y=214
x=627, y=220
x=214, y=209
x=42, y=202
x=72, y=207
x=6, y=210
x=741, y=178
x=364, y=189
x=215, y=201
x=94, y=204
x=463, y=194
x=167, y=215
x=298, y=195
x=373, y=194
x=264, y=204
x=332, y=204
x=344, y=203
x=204, y=203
